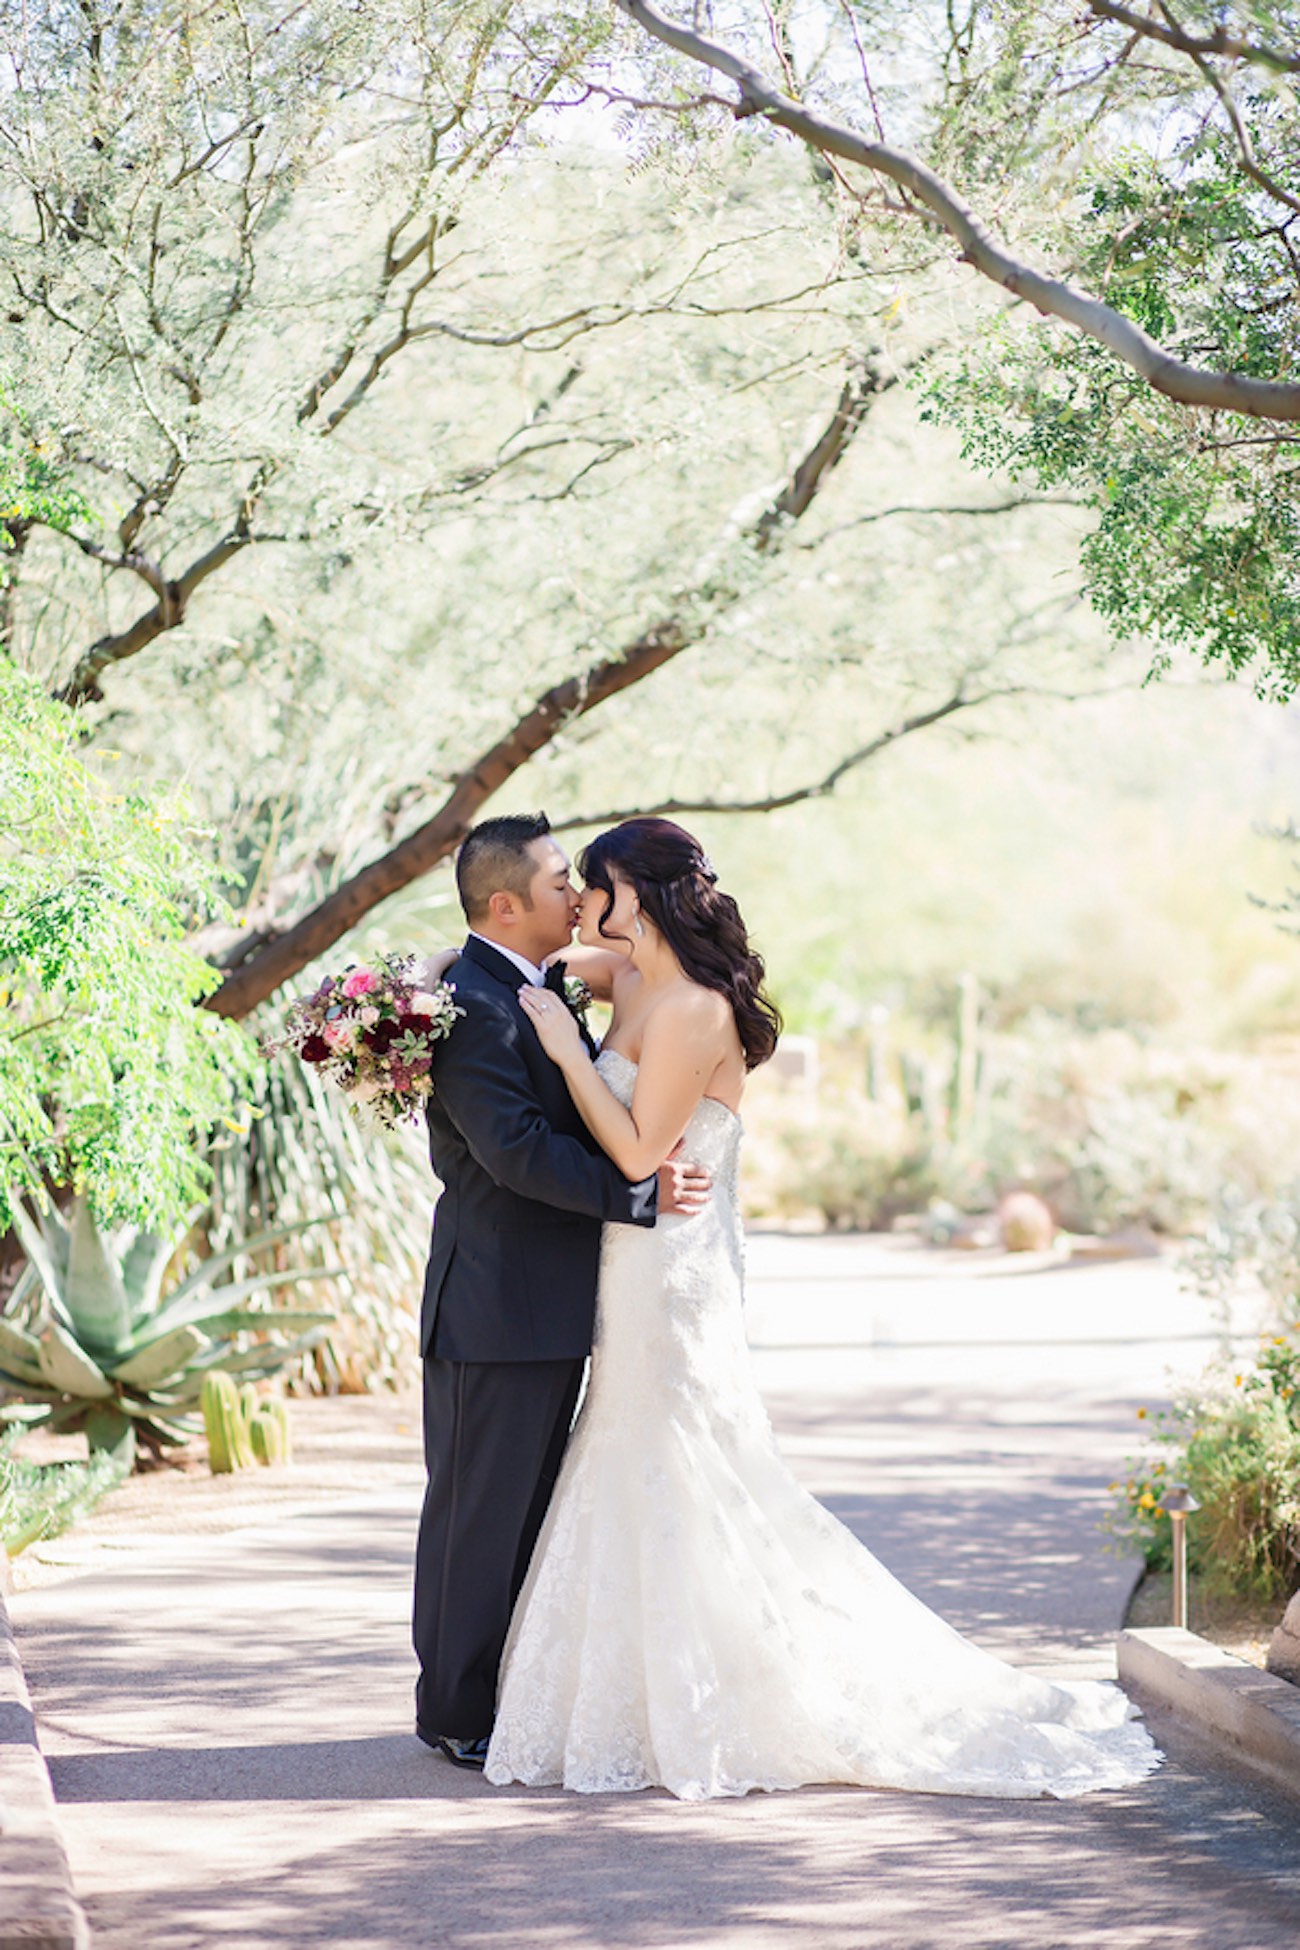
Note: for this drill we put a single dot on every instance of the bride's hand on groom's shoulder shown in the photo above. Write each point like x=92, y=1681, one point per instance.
x=431, y=969
x=557, y=1029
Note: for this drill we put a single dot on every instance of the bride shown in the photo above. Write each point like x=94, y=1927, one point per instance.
x=692, y=1619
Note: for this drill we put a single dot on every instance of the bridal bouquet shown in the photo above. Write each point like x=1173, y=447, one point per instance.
x=372, y=1030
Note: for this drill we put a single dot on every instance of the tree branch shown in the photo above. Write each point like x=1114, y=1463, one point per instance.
x=165, y=614
x=1192, y=385
x=1220, y=42
x=777, y=801
x=1245, y=147
x=272, y=958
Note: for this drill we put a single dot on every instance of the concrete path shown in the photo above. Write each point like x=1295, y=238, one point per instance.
x=227, y=1720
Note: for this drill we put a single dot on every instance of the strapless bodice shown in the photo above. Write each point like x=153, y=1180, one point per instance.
x=711, y=1138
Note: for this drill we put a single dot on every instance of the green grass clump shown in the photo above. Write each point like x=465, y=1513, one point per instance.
x=39, y=1500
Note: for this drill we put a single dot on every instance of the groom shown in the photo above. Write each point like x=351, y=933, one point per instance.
x=510, y=1290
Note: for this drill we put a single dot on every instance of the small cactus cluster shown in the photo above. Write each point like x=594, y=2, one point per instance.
x=243, y=1429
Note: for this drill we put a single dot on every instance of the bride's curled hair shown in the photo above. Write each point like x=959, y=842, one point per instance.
x=678, y=891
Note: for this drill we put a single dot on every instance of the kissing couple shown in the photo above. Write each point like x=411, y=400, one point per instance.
x=645, y=1597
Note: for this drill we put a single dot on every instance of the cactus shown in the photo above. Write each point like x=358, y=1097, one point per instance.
x=967, y=1058
x=269, y=1432
x=224, y=1418
x=242, y=1429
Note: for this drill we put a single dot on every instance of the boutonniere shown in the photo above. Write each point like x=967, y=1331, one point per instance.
x=578, y=997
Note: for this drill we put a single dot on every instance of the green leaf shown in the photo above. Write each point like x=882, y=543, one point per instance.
x=95, y=1296
x=168, y=1354
x=143, y=1266
x=206, y=1271
x=15, y=1341
x=211, y=1304
x=110, y=1430
x=40, y=1257
x=27, y=1388
x=67, y=1367
x=248, y=1319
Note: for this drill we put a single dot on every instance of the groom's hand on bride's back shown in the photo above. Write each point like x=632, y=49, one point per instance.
x=684, y=1187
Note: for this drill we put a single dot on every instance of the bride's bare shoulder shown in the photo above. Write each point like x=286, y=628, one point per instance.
x=688, y=1008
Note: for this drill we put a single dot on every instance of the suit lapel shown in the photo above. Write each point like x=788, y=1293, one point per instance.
x=485, y=956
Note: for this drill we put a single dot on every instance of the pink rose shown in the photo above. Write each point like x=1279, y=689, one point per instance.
x=340, y=1036
x=360, y=982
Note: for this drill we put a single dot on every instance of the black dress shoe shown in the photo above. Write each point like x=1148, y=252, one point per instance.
x=462, y=1753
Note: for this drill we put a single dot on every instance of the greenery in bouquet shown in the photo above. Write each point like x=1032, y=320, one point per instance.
x=1234, y=1439
x=371, y=1030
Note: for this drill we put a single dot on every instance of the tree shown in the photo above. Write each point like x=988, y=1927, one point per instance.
x=1167, y=403
x=335, y=391
x=107, y=1070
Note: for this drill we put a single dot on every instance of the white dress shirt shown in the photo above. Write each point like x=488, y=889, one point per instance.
x=531, y=973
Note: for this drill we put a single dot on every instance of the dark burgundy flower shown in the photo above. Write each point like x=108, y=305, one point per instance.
x=381, y=1036
x=315, y=1050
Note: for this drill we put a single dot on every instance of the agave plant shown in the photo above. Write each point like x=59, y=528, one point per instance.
x=90, y=1342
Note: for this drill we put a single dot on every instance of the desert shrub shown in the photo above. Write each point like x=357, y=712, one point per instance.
x=857, y=1166
x=1252, y=1243
x=1234, y=1439
x=303, y=1156
x=1111, y=1129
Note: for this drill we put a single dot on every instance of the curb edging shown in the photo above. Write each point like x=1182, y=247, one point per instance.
x=1251, y=1712
x=38, y=1910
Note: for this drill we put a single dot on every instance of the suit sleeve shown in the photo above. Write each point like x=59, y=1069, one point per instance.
x=483, y=1082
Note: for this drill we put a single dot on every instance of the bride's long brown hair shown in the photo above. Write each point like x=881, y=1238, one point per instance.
x=678, y=891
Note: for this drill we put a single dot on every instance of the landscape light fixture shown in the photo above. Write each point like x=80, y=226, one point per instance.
x=1179, y=1502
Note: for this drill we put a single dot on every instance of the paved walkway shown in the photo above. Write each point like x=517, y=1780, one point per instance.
x=227, y=1720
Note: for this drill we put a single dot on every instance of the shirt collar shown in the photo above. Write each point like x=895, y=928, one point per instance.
x=529, y=970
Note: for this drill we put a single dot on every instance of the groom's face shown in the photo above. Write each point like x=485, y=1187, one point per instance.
x=547, y=923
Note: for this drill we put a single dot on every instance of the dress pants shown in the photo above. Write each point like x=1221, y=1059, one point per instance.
x=494, y=1435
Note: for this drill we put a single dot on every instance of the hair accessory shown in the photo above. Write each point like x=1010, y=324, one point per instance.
x=706, y=867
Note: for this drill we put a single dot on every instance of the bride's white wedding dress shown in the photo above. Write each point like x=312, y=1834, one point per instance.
x=694, y=1620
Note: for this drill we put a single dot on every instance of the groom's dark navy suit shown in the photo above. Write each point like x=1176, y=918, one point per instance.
x=506, y=1323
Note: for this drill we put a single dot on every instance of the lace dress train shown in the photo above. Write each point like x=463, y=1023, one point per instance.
x=692, y=1619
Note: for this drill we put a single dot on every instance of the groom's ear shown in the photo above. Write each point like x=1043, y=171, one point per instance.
x=504, y=906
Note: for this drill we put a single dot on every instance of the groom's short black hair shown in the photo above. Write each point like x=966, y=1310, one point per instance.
x=494, y=858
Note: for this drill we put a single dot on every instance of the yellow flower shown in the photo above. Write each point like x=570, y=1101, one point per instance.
x=1146, y=1501
x=1112, y=1486
x=1158, y=1511
x=1142, y=1415
x=1236, y=1381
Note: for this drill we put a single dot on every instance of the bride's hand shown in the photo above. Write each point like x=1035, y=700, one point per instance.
x=430, y=971
x=557, y=1032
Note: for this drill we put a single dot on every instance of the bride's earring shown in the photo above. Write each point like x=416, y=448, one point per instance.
x=637, y=928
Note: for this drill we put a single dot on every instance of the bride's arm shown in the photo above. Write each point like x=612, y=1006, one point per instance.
x=684, y=1041
x=597, y=967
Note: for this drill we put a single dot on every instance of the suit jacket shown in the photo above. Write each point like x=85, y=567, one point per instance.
x=516, y=1233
